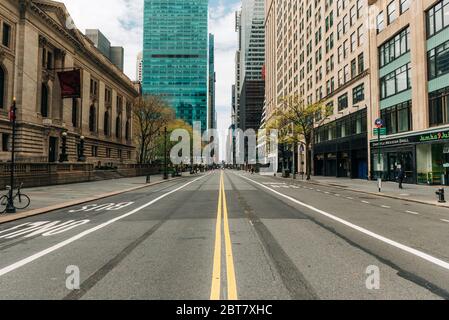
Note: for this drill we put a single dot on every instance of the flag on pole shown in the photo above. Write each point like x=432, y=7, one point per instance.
x=70, y=82
x=12, y=112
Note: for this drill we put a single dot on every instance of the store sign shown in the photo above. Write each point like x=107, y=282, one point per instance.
x=393, y=142
x=428, y=137
x=442, y=135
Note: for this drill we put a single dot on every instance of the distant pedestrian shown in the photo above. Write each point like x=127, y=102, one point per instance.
x=401, y=177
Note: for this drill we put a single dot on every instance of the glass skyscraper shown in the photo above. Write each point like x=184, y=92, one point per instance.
x=175, y=56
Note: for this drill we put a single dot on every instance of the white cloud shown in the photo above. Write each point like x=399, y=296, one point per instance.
x=121, y=21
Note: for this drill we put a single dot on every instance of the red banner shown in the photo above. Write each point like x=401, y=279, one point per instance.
x=12, y=114
x=70, y=82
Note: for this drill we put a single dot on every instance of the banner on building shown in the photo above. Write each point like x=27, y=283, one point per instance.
x=70, y=82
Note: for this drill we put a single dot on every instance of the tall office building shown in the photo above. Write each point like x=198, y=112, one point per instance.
x=319, y=51
x=212, y=80
x=250, y=59
x=115, y=54
x=139, y=65
x=411, y=41
x=175, y=56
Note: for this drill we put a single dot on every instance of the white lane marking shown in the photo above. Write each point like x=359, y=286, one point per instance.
x=444, y=220
x=365, y=202
x=350, y=198
x=327, y=192
x=62, y=244
x=386, y=207
x=412, y=212
x=367, y=232
x=337, y=195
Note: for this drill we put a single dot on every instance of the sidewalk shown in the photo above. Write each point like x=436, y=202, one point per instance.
x=416, y=193
x=44, y=199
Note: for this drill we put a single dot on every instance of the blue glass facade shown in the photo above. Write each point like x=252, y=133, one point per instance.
x=175, y=56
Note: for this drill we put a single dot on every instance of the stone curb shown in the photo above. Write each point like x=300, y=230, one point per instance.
x=35, y=212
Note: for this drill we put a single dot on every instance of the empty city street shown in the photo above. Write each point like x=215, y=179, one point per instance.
x=229, y=235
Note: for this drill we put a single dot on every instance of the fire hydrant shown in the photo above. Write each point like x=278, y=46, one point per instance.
x=440, y=194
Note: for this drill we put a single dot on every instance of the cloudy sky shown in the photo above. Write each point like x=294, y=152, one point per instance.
x=121, y=22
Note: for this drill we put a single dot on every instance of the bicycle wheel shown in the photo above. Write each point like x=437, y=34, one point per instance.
x=3, y=204
x=21, y=201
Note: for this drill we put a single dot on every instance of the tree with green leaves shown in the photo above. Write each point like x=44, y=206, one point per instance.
x=296, y=121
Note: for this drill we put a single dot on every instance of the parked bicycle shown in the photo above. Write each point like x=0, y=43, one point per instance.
x=21, y=201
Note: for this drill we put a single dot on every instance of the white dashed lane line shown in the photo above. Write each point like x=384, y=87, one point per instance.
x=351, y=198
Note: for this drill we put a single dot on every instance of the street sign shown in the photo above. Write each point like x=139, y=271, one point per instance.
x=379, y=123
x=380, y=131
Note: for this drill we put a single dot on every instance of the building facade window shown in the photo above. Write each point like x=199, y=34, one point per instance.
x=359, y=8
x=437, y=18
x=44, y=100
x=92, y=118
x=5, y=142
x=106, y=123
x=343, y=102
x=2, y=88
x=128, y=130
x=438, y=61
x=405, y=5
x=94, y=151
x=391, y=12
x=6, y=35
x=361, y=61
x=395, y=47
x=395, y=82
x=380, y=22
x=353, y=69
x=93, y=88
x=75, y=113
x=439, y=107
x=350, y=125
x=360, y=35
x=358, y=94
x=398, y=118
x=118, y=127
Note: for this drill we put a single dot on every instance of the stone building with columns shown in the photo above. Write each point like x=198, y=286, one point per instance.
x=39, y=39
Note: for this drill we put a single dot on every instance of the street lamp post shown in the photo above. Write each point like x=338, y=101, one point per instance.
x=165, y=155
x=10, y=208
x=81, y=157
x=64, y=157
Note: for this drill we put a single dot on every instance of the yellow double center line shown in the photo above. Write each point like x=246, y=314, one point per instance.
x=222, y=214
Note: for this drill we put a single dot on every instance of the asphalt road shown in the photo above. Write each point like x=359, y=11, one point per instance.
x=230, y=235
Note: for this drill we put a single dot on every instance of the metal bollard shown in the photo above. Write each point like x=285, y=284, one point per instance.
x=148, y=178
x=440, y=194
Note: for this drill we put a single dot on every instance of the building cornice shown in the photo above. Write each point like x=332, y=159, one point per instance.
x=78, y=41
